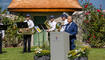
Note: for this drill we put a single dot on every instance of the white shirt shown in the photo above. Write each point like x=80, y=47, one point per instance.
x=65, y=22
x=30, y=23
x=63, y=27
x=2, y=31
x=53, y=25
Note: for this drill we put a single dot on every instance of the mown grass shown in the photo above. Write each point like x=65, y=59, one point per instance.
x=97, y=54
x=94, y=53
x=16, y=54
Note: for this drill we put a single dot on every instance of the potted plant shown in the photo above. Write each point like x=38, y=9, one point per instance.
x=84, y=53
x=41, y=54
x=79, y=54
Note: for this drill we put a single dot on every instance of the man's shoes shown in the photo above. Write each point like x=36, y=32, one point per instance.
x=29, y=51
x=0, y=52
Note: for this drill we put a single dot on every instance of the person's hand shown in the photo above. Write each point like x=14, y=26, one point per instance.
x=48, y=30
x=27, y=29
x=20, y=30
x=2, y=38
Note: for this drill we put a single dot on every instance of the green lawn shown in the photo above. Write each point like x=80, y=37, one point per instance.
x=97, y=54
x=16, y=54
x=94, y=53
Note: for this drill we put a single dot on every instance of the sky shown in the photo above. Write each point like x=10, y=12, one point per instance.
x=97, y=3
x=4, y=3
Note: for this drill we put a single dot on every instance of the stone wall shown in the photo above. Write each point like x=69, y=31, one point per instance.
x=78, y=18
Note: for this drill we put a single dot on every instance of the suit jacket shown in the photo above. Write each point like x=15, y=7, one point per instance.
x=72, y=30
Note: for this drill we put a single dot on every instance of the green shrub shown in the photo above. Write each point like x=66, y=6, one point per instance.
x=93, y=25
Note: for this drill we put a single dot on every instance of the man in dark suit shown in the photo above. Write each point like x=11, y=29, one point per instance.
x=72, y=29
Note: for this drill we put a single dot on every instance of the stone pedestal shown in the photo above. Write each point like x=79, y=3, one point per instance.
x=59, y=45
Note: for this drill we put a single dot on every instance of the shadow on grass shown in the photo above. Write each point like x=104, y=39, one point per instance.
x=3, y=52
x=25, y=52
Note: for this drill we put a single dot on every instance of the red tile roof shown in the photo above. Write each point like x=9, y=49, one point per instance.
x=44, y=4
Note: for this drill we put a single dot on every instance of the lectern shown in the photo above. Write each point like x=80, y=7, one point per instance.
x=59, y=45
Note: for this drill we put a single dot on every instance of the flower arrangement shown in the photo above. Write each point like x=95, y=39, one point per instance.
x=40, y=52
x=82, y=52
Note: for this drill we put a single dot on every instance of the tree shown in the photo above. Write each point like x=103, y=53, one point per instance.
x=12, y=39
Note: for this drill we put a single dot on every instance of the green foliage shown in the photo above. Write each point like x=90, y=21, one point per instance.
x=11, y=36
x=0, y=9
x=81, y=52
x=43, y=53
x=94, y=26
x=40, y=52
x=3, y=12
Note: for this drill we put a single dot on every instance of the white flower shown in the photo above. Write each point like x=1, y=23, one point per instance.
x=38, y=49
x=70, y=55
x=78, y=55
x=39, y=52
x=83, y=52
x=76, y=51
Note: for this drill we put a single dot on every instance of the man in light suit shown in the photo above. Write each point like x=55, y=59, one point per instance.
x=72, y=29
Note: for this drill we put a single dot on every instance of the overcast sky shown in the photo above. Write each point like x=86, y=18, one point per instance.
x=4, y=3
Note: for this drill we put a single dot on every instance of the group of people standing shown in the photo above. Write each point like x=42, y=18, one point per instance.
x=68, y=26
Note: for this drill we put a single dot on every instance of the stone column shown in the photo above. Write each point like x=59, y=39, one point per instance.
x=59, y=45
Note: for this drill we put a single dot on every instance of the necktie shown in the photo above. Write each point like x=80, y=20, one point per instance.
x=69, y=26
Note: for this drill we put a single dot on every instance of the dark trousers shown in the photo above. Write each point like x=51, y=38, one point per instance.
x=0, y=43
x=27, y=39
x=72, y=45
